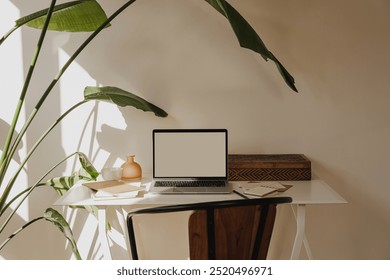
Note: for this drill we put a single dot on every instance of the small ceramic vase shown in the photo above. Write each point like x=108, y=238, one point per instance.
x=131, y=169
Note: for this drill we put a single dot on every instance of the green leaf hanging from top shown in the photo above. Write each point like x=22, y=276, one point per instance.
x=58, y=220
x=122, y=98
x=75, y=16
x=248, y=38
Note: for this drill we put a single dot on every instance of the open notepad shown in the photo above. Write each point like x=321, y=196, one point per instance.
x=112, y=189
x=262, y=188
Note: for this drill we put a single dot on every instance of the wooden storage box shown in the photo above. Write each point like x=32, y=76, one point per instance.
x=269, y=167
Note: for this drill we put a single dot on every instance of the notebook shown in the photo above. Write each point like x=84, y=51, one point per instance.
x=263, y=188
x=188, y=161
x=113, y=189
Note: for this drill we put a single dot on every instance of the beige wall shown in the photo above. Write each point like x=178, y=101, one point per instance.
x=183, y=57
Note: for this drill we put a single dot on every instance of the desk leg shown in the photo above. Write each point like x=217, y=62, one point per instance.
x=102, y=220
x=300, y=237
x=122, y=219
x=300, y=217
x=307, y=248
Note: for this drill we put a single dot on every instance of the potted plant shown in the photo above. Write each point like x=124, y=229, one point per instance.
x=90, y=17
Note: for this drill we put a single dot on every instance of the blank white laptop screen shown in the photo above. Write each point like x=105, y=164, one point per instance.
x=190, y=153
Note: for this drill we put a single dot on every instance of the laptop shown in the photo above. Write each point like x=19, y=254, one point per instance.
x=190, y=161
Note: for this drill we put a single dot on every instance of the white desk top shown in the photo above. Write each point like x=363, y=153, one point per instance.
x=302, y=192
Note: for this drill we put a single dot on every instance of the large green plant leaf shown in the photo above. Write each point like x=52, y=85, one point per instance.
x=58, y=220
x=75, y=16
x=87, y=172
x=62, y=184
x=122, y=98
x=90, y=170
x=248, y=38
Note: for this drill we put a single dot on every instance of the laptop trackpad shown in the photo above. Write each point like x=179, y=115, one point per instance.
x=190, y=190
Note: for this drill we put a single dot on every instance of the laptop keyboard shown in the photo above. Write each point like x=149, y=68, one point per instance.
x=212, y=183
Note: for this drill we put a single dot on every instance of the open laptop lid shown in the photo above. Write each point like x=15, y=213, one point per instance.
x=190, y=154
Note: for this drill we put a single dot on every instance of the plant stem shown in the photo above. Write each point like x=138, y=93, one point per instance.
x=34, y=16
x=6, y=156
x=20, y=194
x=19, y=230
x=8, y=34
x=29, y=192
x=13, y=179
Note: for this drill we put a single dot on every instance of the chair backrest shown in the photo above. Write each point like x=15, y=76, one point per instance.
x=229, y=229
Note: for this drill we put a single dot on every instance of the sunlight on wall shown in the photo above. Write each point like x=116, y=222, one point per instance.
x=80, y=131
x=87, y=120
x=11, y=62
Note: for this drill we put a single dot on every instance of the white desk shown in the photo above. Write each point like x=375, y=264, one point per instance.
x=302, y=193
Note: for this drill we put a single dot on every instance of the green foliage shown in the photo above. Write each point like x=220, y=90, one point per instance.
x=58, y=220
x=87, y=172
x=248, y=37
x=87, y=16
x=75, y=16
x=122, y=98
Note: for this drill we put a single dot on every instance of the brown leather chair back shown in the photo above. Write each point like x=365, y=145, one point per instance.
x=230, y=229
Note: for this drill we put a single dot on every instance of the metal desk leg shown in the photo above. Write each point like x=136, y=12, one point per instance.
x=122, y=219
x=307, y=248
x=102, y=220
x=300, y=239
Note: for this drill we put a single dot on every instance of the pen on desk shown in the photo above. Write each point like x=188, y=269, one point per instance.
x=240, y=194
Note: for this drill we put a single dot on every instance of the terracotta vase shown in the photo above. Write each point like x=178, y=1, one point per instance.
x=131, y=169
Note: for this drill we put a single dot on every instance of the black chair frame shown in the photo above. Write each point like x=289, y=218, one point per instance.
x=264, y=202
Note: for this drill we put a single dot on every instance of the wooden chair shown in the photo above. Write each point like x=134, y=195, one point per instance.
x=230, y=229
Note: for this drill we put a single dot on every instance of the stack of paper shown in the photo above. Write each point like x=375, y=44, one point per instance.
x=114, y=189
x=261, y=188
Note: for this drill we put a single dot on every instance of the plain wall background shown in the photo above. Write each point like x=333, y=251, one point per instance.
x=183, y=57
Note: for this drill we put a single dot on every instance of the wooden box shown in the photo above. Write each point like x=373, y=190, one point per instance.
x=269, y=167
